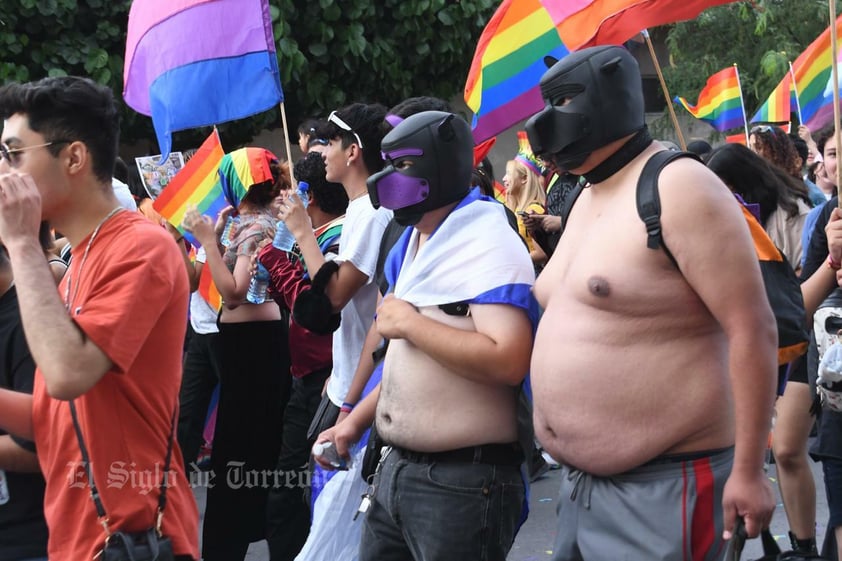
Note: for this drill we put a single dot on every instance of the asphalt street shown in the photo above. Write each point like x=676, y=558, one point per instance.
x=535, y=540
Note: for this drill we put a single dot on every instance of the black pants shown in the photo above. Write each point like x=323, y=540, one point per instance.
x=254, y=390
x=200, y=377
x=287, y=508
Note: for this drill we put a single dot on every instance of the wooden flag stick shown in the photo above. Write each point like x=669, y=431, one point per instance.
x=742, y=103
x=835, y=77
x=287, y=145
x=674, y=118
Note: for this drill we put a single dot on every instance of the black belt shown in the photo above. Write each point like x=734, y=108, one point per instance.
x=496, y=454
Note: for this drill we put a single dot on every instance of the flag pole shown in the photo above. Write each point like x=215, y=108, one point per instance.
x=835, y=68
x=742, y=102
x=795, y=89
x=674, y=118
x=289, y=150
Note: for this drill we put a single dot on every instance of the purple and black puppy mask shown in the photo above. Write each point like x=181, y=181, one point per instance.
x=429, y=158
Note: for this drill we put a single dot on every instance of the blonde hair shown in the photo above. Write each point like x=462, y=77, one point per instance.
x=533, y=190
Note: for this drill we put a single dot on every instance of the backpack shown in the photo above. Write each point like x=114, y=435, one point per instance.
x=783, y=288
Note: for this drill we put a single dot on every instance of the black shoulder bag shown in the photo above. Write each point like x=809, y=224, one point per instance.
x=148, y=545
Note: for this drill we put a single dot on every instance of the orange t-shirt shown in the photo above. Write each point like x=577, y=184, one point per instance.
x=130, y=297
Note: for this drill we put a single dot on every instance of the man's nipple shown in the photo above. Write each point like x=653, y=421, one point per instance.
x=599, y=286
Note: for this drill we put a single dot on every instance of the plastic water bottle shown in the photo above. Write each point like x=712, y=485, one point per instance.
x=284, y=240
x=257, y=287
x=327, y=451
x=225, y=238
x=4, y=488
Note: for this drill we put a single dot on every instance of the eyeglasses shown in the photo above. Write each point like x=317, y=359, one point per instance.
x=336, y=120
x=10, y=154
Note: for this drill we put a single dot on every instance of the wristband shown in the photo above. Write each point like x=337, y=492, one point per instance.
x=835, y=265
x=346, y=407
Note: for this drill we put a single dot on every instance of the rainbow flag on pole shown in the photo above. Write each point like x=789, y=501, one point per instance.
x=720, y=102
x=197, y=183
x=812, y=71
x=502, y=87
x=193, y=63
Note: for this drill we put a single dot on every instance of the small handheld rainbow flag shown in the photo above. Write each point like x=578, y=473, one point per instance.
x=720, y=101
x=197, y=183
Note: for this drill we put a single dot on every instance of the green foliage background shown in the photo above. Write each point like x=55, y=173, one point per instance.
x=330, y=53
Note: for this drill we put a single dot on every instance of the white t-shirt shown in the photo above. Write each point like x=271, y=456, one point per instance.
x=360, y=245
x=123, y=194
x=202, y=315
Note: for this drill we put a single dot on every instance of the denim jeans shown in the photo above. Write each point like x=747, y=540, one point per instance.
x=442, y=511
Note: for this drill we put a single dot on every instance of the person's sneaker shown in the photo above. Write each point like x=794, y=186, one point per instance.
x=550, y=460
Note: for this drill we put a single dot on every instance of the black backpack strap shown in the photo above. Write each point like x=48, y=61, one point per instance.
x=649, y=200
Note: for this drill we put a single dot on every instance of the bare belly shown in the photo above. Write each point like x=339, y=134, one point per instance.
x=605, y=403
x=268, y=311
x=427, y=408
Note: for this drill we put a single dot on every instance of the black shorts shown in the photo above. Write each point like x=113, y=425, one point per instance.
x=798, y=370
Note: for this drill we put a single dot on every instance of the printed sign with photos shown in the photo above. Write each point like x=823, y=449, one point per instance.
x=156, y=176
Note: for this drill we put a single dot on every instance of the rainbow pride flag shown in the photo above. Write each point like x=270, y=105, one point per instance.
x=736, y=139
x=812, y=71
x=585, y=23
x=720, y=102
x=197, y=183
x=502, y=86
x=207, y=289
x=192, y=63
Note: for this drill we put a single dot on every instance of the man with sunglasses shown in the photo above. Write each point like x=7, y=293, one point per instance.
x=110, y=339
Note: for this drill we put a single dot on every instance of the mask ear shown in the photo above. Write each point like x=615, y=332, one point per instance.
x=445, y=129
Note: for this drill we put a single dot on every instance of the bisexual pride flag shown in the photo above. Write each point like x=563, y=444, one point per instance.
x=193, y=63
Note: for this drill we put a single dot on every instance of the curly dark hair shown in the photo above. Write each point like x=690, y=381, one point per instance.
x=756, y=180
x=775, y=145
x=329, y=196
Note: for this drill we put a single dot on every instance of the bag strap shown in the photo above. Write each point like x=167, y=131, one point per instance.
x=95, y=496
x=649, y=200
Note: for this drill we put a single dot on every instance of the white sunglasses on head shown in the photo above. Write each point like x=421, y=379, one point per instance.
x=336, y=120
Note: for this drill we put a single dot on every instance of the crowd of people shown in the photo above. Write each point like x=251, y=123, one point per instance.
x=436, y=343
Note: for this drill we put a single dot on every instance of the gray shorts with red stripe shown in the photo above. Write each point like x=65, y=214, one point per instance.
x=669, y=509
